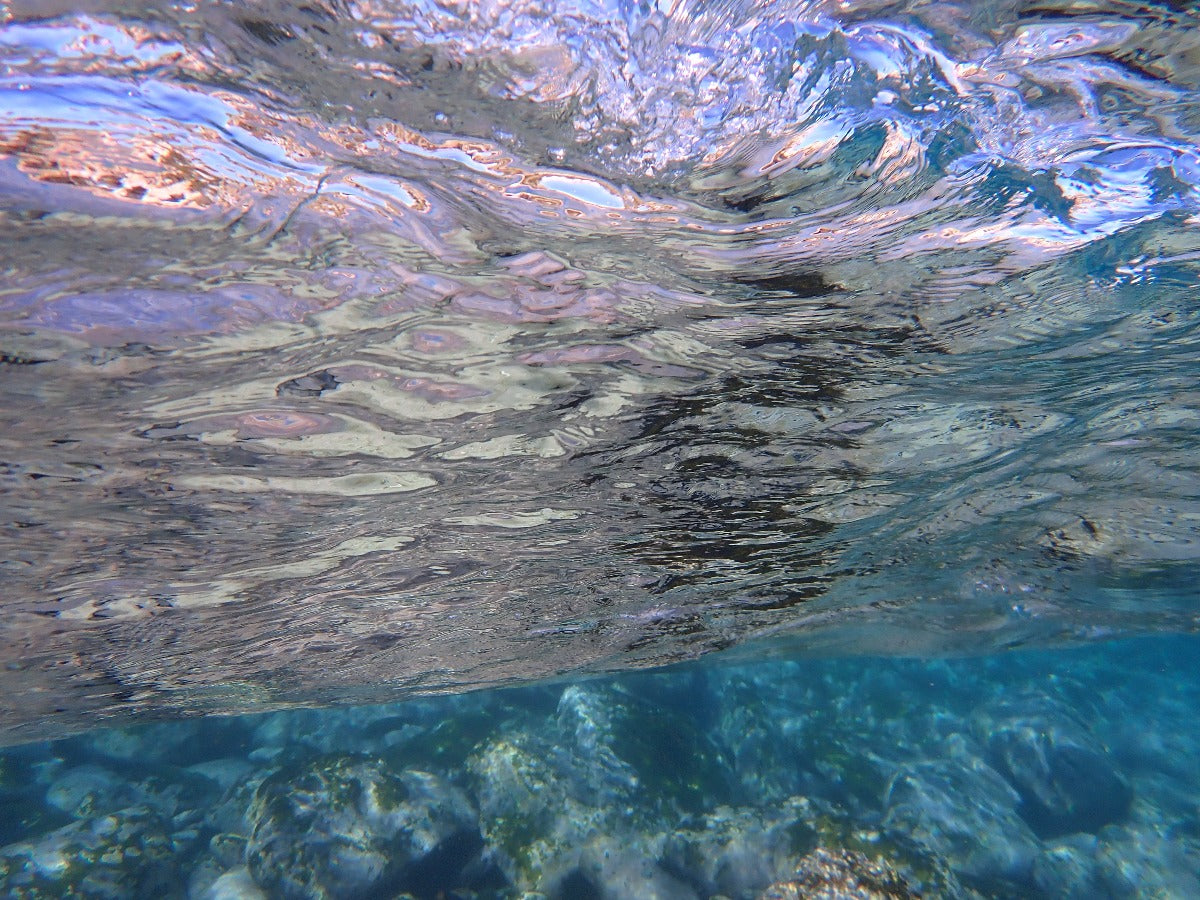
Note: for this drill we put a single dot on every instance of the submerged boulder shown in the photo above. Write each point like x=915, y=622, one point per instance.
x=348, y=826
x=841, y=875
x=126, y=853
x=624, y=744
x=570, y=818
x=1069, y=869
x=736, y=852
x=236, y=884
x=583, y=806
x=533, y=807
x=163, y=743
x=616, y=866
x=1144, y=861
x=1065, y=776
x=86, y=791
x=966, y=813
x=567, y=821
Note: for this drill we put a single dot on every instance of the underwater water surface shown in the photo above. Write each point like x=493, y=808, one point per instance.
x=739, y=444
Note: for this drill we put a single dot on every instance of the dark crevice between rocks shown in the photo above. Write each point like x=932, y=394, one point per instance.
x=1106, y=803
x=577, y=886
x=455, y=863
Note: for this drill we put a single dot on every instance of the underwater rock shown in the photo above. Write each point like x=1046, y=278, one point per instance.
x=586, y=718
x=965, y=812
x=528, y=814
x=228, y=849
x=623, y=744
x=236, y=884
x=347, y=826
x=762, y=740
x=425, y=737
x=226, y=853
x=22, y=799
x=624, y=804
x=416, y=730
x=841, y=875
x=738, y=852
x=128, y=853
x=226, y=772
x=1143, y=862
x=1066, y=779
x=86, y=791
x=1068, y=869
x=587, y=809
x=828, y=732
x=563, y=832
x=231, y=812
x=180, y=794
x=321, y=731
x=177, y=743
x=615, y=866
x=90, y=790
x=563, y=828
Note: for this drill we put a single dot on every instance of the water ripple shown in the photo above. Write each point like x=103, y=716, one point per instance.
x=478, y=344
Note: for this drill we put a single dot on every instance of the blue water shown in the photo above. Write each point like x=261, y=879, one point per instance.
x=1064, y=773
x=739, y=446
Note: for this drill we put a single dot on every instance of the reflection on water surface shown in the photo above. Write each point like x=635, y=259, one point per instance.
x=358, y=350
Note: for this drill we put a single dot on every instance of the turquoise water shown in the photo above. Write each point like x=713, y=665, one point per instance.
x=1064, y=773
x=747, y=451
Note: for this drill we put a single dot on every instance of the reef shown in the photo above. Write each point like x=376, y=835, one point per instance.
x=998, y=777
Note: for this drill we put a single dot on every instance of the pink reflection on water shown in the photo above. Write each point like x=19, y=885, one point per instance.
x=585, y=354
x=284, y=423
x=428, y=389
x=428, y=340
x=440, y=391
x=608, y=353
x=266, y=423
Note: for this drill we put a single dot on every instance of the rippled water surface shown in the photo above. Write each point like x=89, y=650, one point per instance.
x=355, y=350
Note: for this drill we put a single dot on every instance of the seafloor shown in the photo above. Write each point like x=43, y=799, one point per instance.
x=1032, y=774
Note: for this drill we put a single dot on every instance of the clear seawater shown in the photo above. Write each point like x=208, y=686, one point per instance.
x=599, y=449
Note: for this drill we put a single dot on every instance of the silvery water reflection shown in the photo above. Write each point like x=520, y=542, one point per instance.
x=357, y=349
